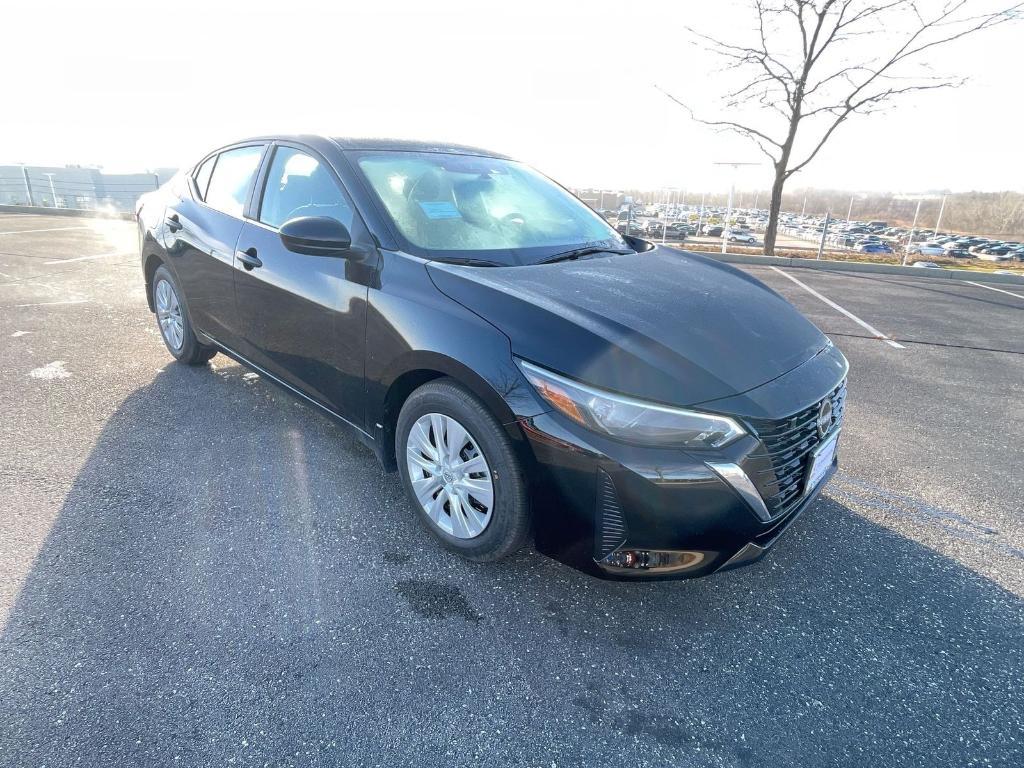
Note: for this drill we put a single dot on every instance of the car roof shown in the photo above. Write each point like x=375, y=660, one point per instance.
x=379, y=143
x=408, y=145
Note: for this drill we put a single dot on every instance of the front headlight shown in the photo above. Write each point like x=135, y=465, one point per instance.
x=629, y=420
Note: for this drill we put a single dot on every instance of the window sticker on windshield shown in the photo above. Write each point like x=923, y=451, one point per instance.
x=441, y=209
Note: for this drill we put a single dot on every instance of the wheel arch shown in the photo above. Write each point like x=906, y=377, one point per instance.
x=419, y=368
x=150, y=264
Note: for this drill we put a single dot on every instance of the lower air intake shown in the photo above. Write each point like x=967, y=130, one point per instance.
x=610, y=528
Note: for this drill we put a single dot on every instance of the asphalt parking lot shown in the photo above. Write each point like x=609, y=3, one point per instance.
x=196, y=569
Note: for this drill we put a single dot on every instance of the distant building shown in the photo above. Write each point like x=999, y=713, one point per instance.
x=73, y=187
x=601, y=199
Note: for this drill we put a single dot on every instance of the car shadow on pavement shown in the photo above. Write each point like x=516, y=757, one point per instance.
x=233, y=578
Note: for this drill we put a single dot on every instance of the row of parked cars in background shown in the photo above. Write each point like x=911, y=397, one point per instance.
x=654, y=228
x=879, y=237
x=658, y=223
x=970, y=247
x=677, y=222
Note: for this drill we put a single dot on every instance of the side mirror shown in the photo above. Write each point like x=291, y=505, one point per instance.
x=315, y=236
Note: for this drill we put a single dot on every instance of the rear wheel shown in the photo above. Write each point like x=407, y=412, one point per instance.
x=461, y=473
x=172, y=319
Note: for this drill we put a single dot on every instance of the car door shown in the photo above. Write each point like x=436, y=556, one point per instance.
x=200, y=232
x=303, y=317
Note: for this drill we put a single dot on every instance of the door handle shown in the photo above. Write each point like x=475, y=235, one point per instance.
x=173, y=224
x=249, y=259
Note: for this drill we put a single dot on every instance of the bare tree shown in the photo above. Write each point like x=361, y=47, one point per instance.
x=808, y=65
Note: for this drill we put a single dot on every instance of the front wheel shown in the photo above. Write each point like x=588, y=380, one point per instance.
x=461, y=473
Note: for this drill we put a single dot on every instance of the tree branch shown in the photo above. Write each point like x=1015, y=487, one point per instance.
x=852, y=104
x=846, y=110
x=787, y=83
x=724, y=124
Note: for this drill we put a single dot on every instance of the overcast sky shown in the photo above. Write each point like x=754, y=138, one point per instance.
x=567, y=87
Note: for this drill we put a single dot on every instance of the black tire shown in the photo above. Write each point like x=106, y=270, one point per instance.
x=191, y=351
x=509, y=526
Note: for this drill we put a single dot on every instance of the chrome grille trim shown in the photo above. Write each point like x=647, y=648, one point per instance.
x=786, y=445
x=734, y=475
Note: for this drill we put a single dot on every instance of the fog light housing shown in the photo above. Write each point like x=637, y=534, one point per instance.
x=650, y=561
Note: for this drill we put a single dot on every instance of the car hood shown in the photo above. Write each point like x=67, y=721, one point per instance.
x=663, y=325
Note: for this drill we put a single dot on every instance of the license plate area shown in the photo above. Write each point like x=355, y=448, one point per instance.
x=821, y=459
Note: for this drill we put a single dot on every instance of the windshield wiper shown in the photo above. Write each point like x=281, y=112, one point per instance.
x=471, y=262
x=576, y=253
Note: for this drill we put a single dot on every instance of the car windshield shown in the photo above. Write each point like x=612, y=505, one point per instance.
x=471, y=208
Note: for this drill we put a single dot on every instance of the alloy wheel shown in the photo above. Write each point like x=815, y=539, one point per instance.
x=450, y=476
x=168, y=314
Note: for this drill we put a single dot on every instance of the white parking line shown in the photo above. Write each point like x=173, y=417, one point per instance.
x=87, y=258
x=866, y=326
x=26, y=231
x=1000, y=290
x=54, y=303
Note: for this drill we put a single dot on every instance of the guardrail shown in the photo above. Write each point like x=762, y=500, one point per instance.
x=80, y=212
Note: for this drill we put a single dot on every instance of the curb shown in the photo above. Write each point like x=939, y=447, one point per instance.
x=854, y=266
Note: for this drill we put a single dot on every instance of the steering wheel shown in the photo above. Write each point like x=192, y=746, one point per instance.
x=513, y=218
x=415, y=185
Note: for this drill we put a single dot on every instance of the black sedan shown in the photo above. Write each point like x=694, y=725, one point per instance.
x=1000, y=249
x=638, y=410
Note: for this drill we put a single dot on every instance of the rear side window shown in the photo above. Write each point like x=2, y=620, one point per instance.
x=202, y=177
x=229, y=185
x=299, y=185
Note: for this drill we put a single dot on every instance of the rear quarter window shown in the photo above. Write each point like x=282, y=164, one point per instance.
x=202, y=176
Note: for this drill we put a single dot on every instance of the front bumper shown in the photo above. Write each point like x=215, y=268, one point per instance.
x=629, y=512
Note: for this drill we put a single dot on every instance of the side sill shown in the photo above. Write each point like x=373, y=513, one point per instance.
x=365, y=436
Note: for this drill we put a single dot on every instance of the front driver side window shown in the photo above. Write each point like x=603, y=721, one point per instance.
x=299, y=185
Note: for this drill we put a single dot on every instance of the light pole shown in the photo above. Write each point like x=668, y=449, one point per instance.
x=52, y=190
x=910, y=240
x=804, y=209
x=700, y=214
x=849, y=212
x=824, y=234
x=938, y=221
x=670, y=195
x=28, y=185
x=728, y=210
x=728, y=215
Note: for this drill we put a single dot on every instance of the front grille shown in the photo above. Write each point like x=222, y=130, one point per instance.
x=785, y=460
